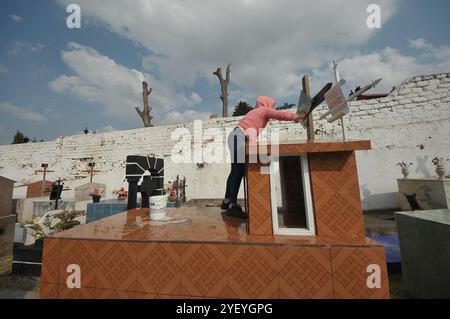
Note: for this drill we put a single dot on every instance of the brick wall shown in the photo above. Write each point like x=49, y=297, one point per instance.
x=411, y=124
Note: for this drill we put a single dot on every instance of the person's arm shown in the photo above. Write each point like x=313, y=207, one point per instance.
x=284, y=116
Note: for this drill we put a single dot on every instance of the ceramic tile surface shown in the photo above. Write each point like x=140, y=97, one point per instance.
x=82, y=253
x=116, y=265
x=305, y=272
x=335, y=191
x=48, y=291
x=200, y=225
x=350, y=272
x=51, y=260
x=260, y=214
x=204, y=270
x=203, y=253
x=291, y=147
x=158, y=268
x=253, y=272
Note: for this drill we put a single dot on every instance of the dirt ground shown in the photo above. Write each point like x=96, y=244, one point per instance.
x=378, y=223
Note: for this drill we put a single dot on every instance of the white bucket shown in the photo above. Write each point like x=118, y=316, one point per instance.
x=158, y=207
x=157, y=214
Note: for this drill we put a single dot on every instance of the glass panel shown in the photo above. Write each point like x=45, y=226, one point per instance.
x=289, y=193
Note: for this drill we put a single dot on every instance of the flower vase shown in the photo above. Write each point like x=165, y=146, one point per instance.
x=405, y=172
x=96, y=198
x=440, y=171
x=172, y=198
x=121, y=198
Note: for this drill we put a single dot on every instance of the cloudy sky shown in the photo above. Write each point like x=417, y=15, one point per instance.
x=57, y=81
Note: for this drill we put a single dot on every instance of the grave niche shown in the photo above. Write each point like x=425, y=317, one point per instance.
x=82, y=191
x=39, y=189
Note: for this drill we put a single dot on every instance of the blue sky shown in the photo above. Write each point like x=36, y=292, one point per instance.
x=57, y=81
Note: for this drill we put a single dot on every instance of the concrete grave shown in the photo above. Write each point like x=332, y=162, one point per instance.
x=7, y=221
x=425, y=252
x=39, y=189
x=424, y=193
x=82, y=191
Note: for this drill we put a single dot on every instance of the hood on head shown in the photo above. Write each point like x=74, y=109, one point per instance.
x=265, y=101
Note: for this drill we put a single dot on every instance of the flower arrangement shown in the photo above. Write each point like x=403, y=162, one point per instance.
x=121, y=193
x=439, y=162
x=404, y=165
x=98, y=191
x=171, y=189
x=54, y=222
x=175, y=189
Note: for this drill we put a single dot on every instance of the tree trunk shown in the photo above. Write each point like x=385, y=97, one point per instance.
x=145, y=113
x=224, y=88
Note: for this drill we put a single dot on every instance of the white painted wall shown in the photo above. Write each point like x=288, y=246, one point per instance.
x=412, y=124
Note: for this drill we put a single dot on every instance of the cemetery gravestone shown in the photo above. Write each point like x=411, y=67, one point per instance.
x=82, y=191
x=38, y=189
x=424, y=193
x=7, y=223
x=425, y=254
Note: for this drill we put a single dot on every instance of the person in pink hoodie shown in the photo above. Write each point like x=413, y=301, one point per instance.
x=248, y=129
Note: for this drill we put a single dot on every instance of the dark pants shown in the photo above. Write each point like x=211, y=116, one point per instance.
x=236, y=144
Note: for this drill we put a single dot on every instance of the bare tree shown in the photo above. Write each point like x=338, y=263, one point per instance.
x=224, y=87
x=145, y=113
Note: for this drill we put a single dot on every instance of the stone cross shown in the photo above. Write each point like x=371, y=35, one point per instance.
x=91, y=170
x=44, y=169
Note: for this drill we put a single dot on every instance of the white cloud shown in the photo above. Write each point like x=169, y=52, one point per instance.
x=3, y=69
x=267, y=41
x=175, y=117
x=106, y=129
x=117, y=88
x=21, y=113
x=389, y=64
x=18, y=47
x=16, y=18
x=196, y=98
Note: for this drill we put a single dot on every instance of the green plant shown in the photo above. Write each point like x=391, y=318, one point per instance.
x=20, y=138
x=55, y=222
x=241, y=109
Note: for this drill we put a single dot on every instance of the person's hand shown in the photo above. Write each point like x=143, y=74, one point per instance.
x=300, y=117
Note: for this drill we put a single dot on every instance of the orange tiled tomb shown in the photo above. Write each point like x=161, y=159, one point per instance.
x=304, y=239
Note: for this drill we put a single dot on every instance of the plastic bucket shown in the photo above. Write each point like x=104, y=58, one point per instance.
x=158, y=202
x=158, y=207
x=157, y=214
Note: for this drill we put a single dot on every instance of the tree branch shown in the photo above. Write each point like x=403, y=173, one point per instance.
x=218, y=73
x=228, y=72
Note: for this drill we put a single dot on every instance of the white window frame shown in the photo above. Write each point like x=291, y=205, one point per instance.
x=311, y=229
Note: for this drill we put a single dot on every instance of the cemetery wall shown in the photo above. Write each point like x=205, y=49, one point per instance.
x=411, y=124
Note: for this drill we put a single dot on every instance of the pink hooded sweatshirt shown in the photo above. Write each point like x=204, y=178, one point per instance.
x=257, y=119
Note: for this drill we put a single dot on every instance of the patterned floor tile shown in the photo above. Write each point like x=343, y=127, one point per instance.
x=305, y=272
x=334, y=172
x=75, y=293
x=115, y=294
x=51, y=260
x=339, y=215
x=158, y=268
x=260, y=214
x=204, y=270
x=48, y=291
x=252, y=272
x=350, y=272
x=82, y=253
x=257, y=182
x=116, y=265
